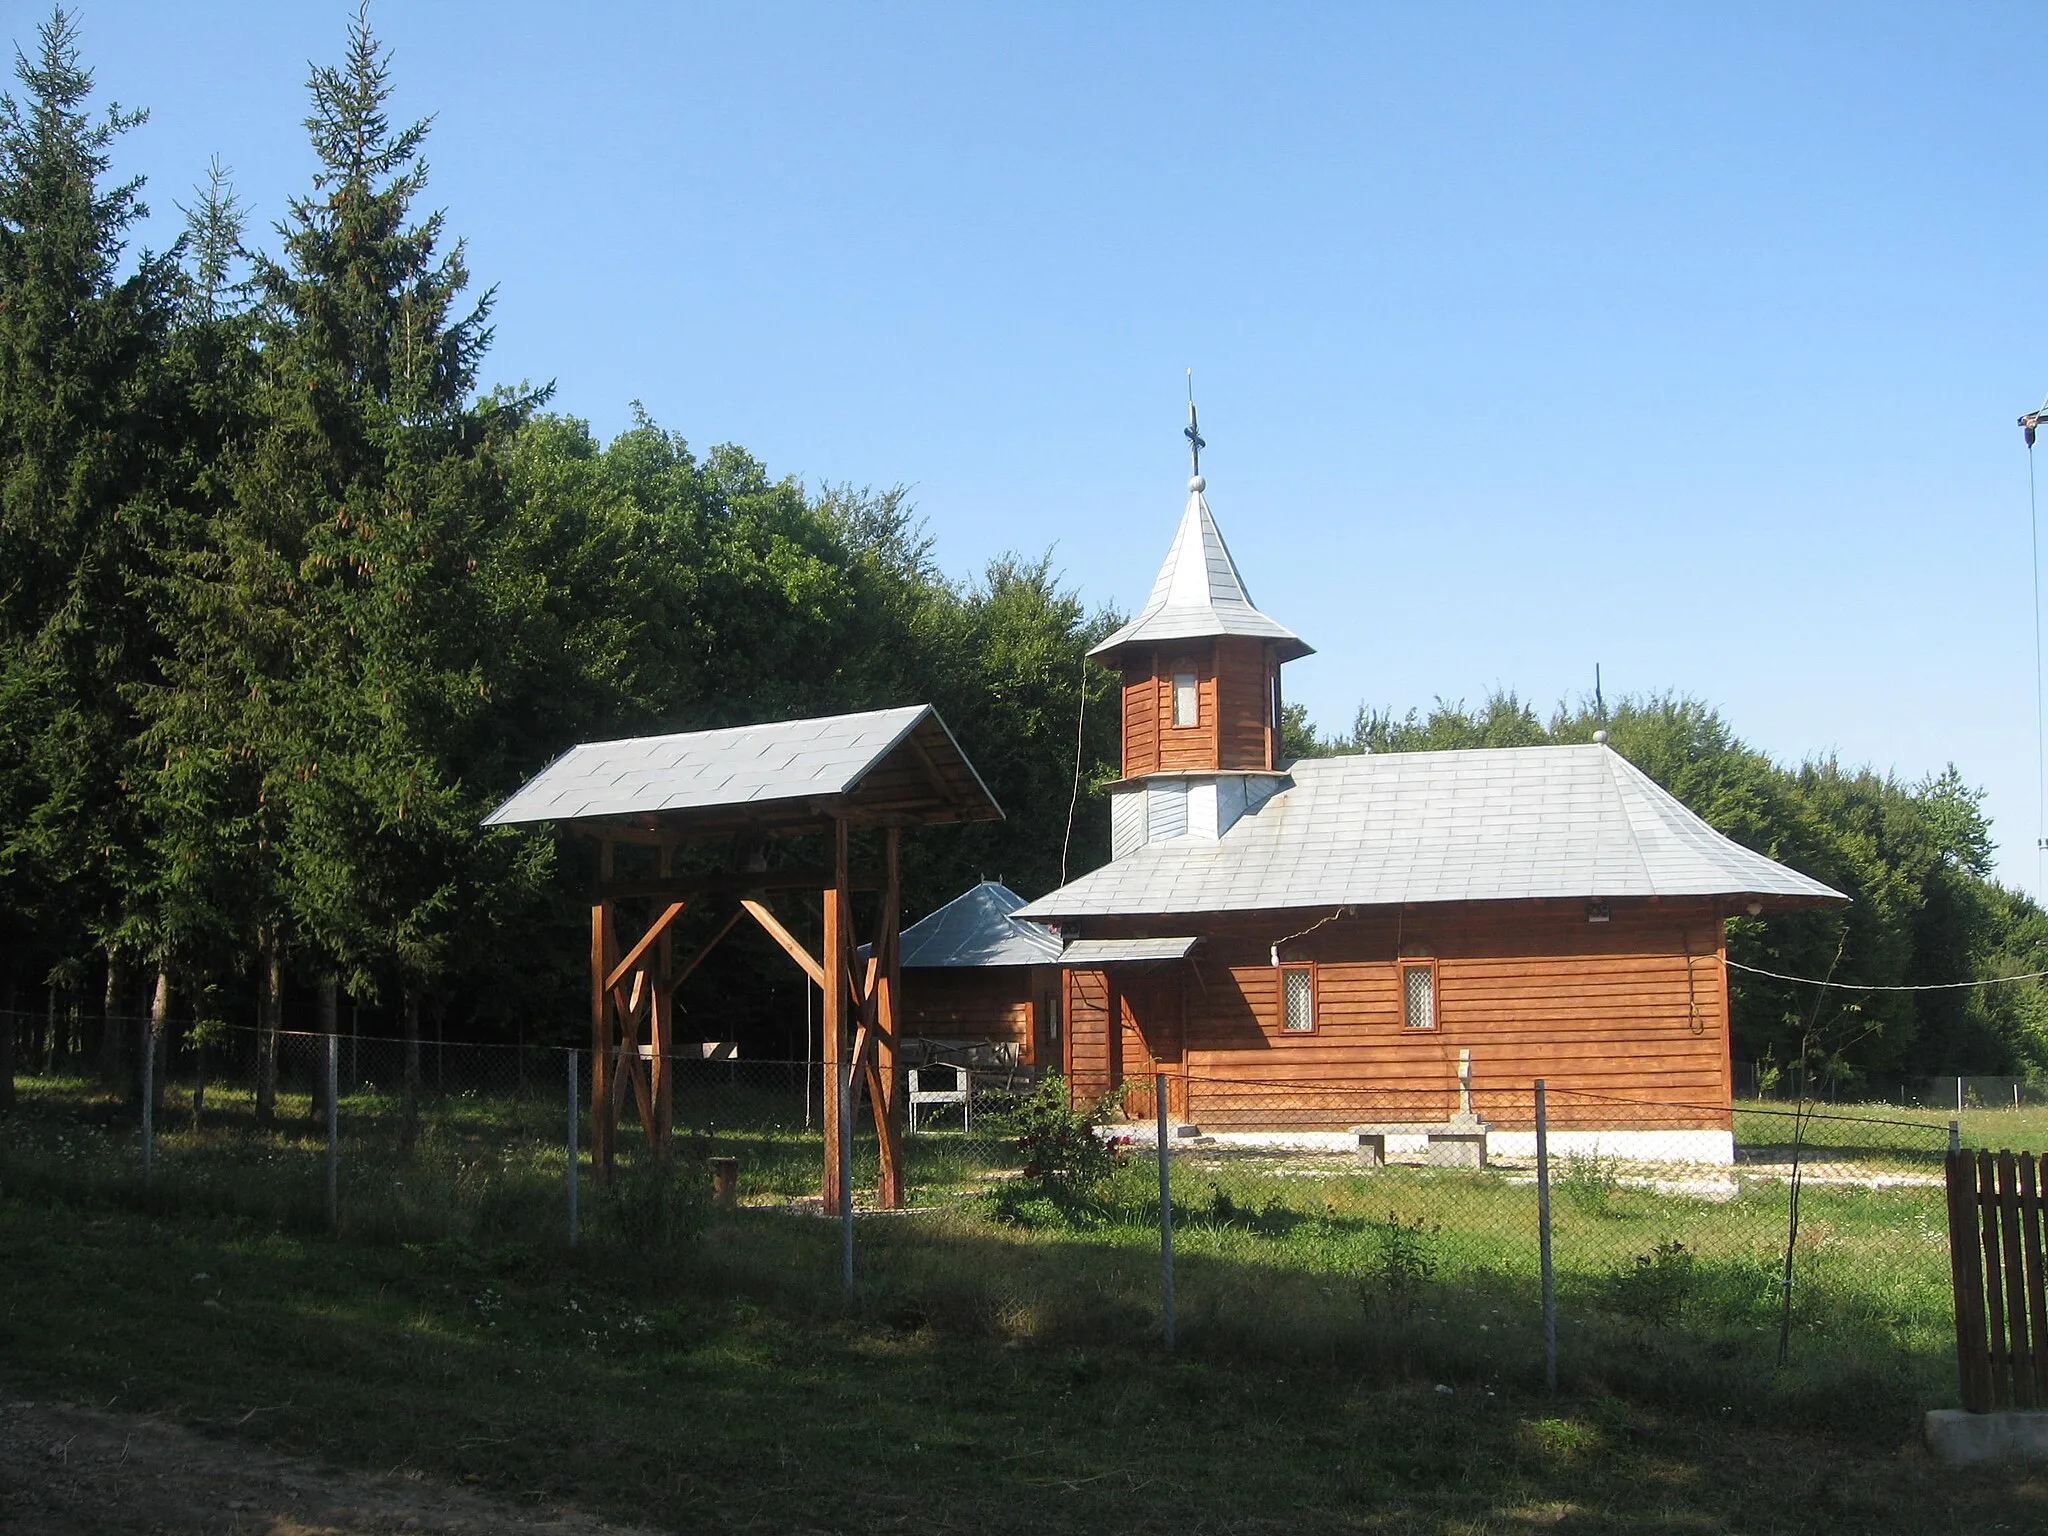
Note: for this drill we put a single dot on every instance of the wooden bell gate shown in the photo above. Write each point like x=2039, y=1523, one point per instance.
x=635, y=990
x=1995, y=1253
x=880, y=771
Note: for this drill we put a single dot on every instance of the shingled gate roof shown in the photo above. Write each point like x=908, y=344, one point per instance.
x=885, y=765
x=1496, y=824
x=976, y=928
x=1198, y=593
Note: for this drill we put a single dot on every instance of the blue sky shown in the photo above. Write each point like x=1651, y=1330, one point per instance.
x=1683, y=341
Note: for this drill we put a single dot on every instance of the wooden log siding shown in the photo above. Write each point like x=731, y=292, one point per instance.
x=992, y=1004
x=1244, y=691
x=1632, y=1009
x=1996, y=1262
x=1090, y=1067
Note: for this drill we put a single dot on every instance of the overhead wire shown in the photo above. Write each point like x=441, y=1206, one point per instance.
x=1866, y=986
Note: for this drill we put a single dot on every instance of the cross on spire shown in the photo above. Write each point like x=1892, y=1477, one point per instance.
x=1192, y=432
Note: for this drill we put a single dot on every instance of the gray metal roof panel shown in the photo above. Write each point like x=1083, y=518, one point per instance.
x=1114, y=951
x=697, y=770
x=975, y=928
x=1489, y=824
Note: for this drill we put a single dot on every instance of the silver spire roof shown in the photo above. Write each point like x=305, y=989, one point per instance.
x=1199, y=593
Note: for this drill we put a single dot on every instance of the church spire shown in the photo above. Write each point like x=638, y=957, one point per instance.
x=1198, y=593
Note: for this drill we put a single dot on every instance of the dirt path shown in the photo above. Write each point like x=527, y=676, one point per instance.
x=67, y=1471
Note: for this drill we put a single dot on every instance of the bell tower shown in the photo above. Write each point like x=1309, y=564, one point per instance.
x=1201, y=691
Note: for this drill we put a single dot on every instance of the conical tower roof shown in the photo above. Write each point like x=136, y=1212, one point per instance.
x=1199, y=593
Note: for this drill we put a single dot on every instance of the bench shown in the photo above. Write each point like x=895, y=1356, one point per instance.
x=1459, y=1143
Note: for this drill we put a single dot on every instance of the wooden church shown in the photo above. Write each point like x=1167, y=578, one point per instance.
x=1316, y=946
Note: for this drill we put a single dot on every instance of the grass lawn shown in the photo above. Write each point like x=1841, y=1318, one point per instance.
x=702, y=1395
x=1359, y=1351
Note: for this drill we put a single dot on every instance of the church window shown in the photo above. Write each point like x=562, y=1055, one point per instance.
x=1298, y=999
x=1186, y=699
x=1418, y=995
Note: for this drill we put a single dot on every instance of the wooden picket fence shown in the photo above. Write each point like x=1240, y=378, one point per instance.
x=1994, y=1243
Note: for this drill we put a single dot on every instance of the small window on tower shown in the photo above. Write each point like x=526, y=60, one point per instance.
x=1186, y=700
x=1298, y=994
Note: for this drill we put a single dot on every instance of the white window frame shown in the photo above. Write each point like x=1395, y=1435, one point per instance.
x=1187, y=683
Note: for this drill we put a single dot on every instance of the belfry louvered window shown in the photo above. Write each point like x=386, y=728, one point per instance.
x=1418, y=996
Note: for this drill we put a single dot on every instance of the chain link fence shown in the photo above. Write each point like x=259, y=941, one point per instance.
x=1684, y=1243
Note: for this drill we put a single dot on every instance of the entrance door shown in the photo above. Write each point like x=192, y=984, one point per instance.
x=1153, y=1032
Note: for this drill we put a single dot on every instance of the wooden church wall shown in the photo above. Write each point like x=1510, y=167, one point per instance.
x=1242, y=694
x=1533, y=990
x=1000, y=1005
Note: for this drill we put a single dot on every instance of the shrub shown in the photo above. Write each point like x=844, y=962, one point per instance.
x=1063, y=1148
x=1404, y=1260
x=1590, y=1180
x=1655, y=1287
x=658, y=1208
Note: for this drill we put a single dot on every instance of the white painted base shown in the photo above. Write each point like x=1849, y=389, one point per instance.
x=1968, y=1439
x=1675, y=1146
x=1713, y=1148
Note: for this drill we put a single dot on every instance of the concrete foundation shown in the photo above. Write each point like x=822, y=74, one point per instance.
x=1965, y=1439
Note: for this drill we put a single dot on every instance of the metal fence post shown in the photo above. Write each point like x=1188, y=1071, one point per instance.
x=575, y=1157
x=148, y=1096
x=1165, y=1212
x=333, y=1067
x=1543, y=1240
x=846, y=1102
x=1955, y=1136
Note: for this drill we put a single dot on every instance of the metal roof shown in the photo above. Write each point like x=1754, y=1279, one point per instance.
x=975, y=928
x=784, y=776
x=1198, y=593
x=1498, y=824
x=1114, y=951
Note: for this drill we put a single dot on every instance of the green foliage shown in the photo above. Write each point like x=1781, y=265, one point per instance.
x=1589, y=1180
x=1654, y=1287
x=656, y=1210
x=1403, y=1262
x=1062, y=1148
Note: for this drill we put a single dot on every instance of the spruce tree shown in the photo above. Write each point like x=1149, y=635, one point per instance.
x=364, y=515
x=82, y=336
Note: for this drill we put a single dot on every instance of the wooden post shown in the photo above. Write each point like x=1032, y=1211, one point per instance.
x=2037, y=1300
x=1994, y=1288
x=833, y=945
x=886, y=1091
x=2019, y=1333
x=661, y=1017
x=1973, y=1361
x=601, y=1119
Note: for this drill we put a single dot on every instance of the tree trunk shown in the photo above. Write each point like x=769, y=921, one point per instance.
x=269, y=1019
x=330, y=1021
x=39, y=1031
x=113, y=1028
x=198, y=1081
x=410, y=1010
x=8, y=1025
x=159, y=1035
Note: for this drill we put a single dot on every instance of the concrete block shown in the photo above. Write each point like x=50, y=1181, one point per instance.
x=1457, y=1149
x=1965, y=1439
